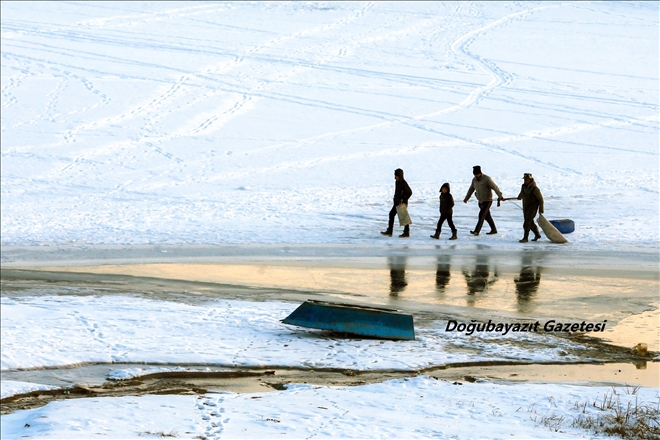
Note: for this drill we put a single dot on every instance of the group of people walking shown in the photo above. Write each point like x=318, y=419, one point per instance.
x=482, y=186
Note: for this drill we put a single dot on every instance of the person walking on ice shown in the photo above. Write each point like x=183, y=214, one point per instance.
x=402, y=193
x=532, y=201
x=446, y=211
x=484, y=186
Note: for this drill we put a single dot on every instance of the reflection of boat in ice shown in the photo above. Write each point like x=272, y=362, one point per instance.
x=376, y=322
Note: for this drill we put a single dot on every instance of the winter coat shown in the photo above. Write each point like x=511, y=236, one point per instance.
x=532, y=199
x=446, y=204
x=484, y=187
x=402, y=192
x=446, y=201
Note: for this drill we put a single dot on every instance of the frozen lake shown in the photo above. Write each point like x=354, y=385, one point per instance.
x=177, y=176
x=283, y=122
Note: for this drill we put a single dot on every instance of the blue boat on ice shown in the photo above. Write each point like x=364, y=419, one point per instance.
x=375, y=322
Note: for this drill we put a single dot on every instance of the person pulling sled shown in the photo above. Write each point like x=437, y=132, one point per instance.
x=532, y=201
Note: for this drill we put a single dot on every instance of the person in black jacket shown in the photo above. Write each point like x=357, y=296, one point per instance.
x=402, y=193
x=446, y=211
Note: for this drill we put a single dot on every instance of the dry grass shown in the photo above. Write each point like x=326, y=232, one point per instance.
x=163, y=434
x=630, y=421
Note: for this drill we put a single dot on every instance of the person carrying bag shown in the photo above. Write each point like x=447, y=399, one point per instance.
x=402, y=193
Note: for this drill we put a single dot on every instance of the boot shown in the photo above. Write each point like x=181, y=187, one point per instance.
x=476, y=234
x=523, y=240
x=406, y=232
x=493, y=232
x=387, y=232
x=453, y=235
x=536, y=237
x=436, y=236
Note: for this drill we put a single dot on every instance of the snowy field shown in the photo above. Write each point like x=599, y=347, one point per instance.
x=50, y=331
x=69, y=330
x=419, y=407
x=283, y=122
x=147, y=123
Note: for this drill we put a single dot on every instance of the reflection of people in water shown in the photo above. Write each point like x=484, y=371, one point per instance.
x=527, y=283
x=479, y=280
x=398, y=281
x=442, y=273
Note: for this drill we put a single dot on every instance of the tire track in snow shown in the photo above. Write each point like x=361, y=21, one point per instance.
x=158, y=103
x=248, y=95
x=141, y=19
x=151, y=105
x=489, y=143
x=391, y=118
x=563, y=108
x=498, y=78
x=495, y=144
x=154, y=105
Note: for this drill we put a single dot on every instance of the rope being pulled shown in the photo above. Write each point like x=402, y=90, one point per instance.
x=510, y=198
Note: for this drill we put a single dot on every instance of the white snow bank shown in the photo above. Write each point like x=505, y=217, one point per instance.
x=419, y=407
x=130, y=373
x=10, y=388
x=67, y=330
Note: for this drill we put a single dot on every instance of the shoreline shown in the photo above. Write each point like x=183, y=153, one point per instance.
x=93, y=382
x=366, y=275
x=621, y=259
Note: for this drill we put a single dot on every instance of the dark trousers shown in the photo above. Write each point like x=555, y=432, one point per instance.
x=529, y=225
x=390, y=224
x=484, y=214
x=450, y=222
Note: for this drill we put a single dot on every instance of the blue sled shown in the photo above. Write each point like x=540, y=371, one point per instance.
x=374, y=322
x=565, y=226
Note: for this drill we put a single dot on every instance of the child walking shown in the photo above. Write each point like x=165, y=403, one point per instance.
x=446, y=211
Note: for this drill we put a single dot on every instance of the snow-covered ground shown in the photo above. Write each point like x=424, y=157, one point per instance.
x=50, y=331
x=67, y=330
x=282, y=122
x=13, y=388
x=419, y=407
x=166, y=122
